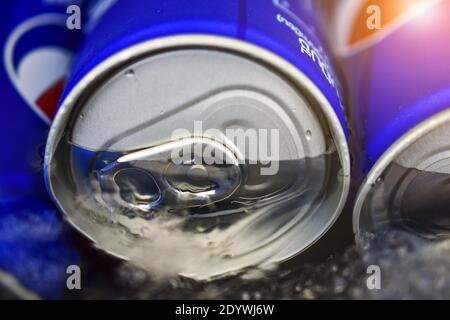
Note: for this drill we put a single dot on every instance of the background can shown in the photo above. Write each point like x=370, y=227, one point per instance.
x=36, y=50
x=398, y=75
x=247, y=64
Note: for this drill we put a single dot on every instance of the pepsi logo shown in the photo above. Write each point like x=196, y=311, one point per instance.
x=37, y=56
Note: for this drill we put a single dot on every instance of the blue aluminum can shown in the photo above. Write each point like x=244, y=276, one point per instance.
x=210, y=68
x=36, y=50
x=400, y=96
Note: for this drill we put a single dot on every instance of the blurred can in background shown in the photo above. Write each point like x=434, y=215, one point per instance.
x=396, y=59
x=150, y=68
x=36, y=48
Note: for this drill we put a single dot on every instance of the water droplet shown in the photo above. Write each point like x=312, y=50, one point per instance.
x=130, y=73
x=308, y=135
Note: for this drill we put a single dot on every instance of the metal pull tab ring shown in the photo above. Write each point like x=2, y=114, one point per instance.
x=190, y=172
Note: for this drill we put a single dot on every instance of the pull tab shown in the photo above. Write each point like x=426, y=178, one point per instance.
x=191, y=172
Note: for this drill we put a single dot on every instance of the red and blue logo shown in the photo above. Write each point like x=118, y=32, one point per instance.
x=37, y=56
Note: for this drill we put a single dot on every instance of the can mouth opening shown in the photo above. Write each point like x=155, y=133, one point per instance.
x=110, y=156
x=409, y=187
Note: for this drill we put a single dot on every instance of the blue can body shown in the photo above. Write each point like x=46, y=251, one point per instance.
x=400, y=76
x=36, y=49
x=286, y=28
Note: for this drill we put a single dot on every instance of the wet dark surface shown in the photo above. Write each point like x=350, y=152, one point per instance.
x=411, y=268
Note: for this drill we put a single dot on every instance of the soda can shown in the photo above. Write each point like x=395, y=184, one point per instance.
x=145, y=156
x=396, y=58
x=36, y=49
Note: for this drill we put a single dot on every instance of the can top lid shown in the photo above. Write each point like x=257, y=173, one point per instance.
x=149, y=102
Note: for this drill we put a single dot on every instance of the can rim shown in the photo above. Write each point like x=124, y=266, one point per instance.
x=389, y=156
x=254, y=52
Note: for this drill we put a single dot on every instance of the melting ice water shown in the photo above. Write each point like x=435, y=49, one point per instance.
x=411, y=268
x=198, y=214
